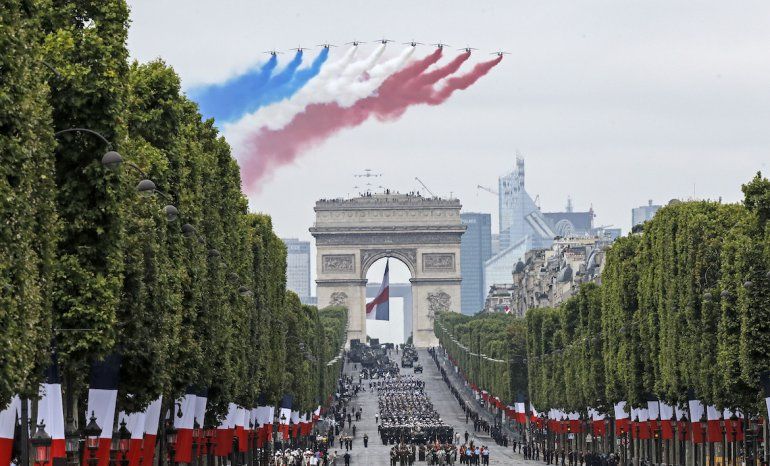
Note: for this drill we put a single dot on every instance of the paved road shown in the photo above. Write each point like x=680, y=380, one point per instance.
x=446, y=405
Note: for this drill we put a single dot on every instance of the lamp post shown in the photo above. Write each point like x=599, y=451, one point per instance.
x=41, y=446
x=124, y=442
x=92, y=433
x=171, y=441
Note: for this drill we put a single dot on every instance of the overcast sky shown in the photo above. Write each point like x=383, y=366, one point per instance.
x=610, y=102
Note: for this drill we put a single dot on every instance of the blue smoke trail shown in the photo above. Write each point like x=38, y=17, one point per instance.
x=287, y=89
x=229, y=100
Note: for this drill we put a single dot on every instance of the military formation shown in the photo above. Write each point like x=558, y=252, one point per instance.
x=406, y=413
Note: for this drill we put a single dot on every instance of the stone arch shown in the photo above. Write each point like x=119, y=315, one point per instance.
x=369, y=257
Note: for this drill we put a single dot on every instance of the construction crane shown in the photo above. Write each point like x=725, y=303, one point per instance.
x=489, y=190
x=423, y=185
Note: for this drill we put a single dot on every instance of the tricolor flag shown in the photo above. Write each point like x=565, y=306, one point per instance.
x=102, y=396
x=713, y=429
x=295, y=421
x=597, y=422
x=151, y=425
x=696, y=413
x=317, y=414
x=184, y=426
x=682, y=422
x=621, y=419
x=8, y=418
x=666, y=414
x=50, y=412
x=135, y=423
x=379, y=307
x=284, y=416
x=201, y=398
x=265, y=416
x=225, y=431
x=521, y=411
x=574, y=422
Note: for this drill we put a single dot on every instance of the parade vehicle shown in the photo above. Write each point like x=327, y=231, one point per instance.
x=418, y=368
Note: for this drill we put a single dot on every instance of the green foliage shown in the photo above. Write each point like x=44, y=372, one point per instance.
x=683, y=307
x=489, y=350
x=172, y=305
x=28, y=229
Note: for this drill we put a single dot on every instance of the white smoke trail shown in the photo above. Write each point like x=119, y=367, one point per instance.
x=358, y=90
x=321, y=89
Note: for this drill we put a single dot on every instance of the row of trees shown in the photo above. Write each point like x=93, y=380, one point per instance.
x=683, y=311
x=489, y=349
x=88, y=267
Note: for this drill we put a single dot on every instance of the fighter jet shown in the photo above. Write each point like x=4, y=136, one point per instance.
x=500, y=53
x=273, y=52
x=327, y=45
x=300, y=48
x=413, y=43
x=355, y=43
x=384, y=41
x=440, y=46
x=468, y=49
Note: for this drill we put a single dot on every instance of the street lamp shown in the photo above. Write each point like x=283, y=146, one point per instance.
x=124, y=442
x=41, y=445
x=72, y=442
x=92, y=432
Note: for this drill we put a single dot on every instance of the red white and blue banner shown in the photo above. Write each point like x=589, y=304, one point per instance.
x=184, y=426
x=284, y=416
x=8, y=417
x=50, y=412
x=225, y=431
x=151, y=426
x=135, y=423
x=379, y=307
x=102, y=397
x=201, y=398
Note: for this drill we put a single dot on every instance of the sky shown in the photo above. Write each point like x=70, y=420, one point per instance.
x=610, y=102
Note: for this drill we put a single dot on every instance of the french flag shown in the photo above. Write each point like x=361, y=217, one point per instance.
x=151, y=425
x=102, y=397
x=225, y=431
x=50, y=412
x=696, y=413
x=713, y=430
x=682, y=422
x=521, y=411
x=184, y=426
x=265, y=421
x=8, y=418
x=284, y=415
x=201, y=398
x=295, y=420
x=666, y=414
x=597, y=422
x=135, y=423
x=734, y=432
x=621, y=419
x=379, y=307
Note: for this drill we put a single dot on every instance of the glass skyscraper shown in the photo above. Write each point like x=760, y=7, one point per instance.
x=475, y=250
x=298, y=267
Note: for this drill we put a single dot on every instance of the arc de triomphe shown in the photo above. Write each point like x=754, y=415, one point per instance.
x=424, y=233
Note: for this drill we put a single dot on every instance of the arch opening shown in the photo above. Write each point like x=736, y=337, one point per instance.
x=398, y=328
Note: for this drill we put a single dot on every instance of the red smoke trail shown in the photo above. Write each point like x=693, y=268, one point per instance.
x=269, y=149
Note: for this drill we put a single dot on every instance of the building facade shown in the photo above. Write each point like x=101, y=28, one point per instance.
x=298, y=268
x=548, y=277
x=475, y=250
x=643, y=213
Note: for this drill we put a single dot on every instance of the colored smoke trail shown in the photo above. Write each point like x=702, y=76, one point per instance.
x=270, y=149
x=273, y=85
x=327, y=87
x=225, y=101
